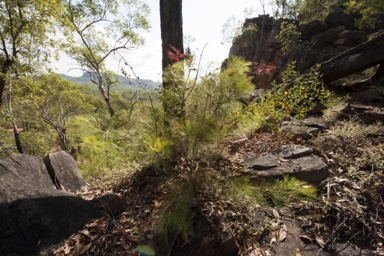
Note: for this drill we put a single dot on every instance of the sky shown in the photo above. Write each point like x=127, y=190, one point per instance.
x=202, y=20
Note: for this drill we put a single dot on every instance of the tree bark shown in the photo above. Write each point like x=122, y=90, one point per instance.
x=171, y=23
x=359, y=58
x=17, y=138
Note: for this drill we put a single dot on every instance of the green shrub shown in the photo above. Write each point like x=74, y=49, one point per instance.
x=7, y=144
x=295, y=96
x=176, y=219
x=289, y=36
x=200, y=110
x=37, y=143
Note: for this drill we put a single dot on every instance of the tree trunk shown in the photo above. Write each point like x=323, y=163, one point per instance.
x=359, y=58
x=171, y=23
x=17, y=138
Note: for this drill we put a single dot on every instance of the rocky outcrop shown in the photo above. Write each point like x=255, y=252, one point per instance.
x=321, y=42
x=34, y=214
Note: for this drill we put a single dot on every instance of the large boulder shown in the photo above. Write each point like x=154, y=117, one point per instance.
x=310, y=29
x=339, y=18
x=64, y=172
x=34, y=215
x=327, y=37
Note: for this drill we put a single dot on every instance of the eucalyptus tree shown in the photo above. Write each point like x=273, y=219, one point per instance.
x=61, y=100
x=171, y=23
x=27, y=30
x=99, y=29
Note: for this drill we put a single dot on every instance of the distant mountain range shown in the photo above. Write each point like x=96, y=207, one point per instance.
x=124, y=83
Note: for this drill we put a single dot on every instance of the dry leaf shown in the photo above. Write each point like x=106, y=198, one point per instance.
x=273, y=240
x=67, y=248
x=133, y=238
x=319, y=240
x=276, y=214
x=310, y=238
x=76, y=248
x=298, y=253
x=85, y=248
x=283, y=233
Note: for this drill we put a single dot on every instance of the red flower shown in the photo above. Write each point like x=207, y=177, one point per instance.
x=175, y=54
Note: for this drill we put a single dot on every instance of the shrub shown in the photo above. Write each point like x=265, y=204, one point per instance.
x=295, y=96
x=200, y=110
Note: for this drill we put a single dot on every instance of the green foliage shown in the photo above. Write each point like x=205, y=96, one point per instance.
x=25, y=29
x=203, y=109
x=36, y=143
x=247, y=35
x=61, y=100
x=177, y=217
x=289, y=37
x=101, y=149
x=277, y=194
x=7, y=146
x=233, y=28
x=369, y=10
x=294, y=96
x=286, y=9
x=103, y=30
x=318, y=9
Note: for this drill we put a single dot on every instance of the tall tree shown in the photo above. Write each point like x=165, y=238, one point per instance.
x=171, y=22
x=103, y=30
x=26, y=35
x=61, y=100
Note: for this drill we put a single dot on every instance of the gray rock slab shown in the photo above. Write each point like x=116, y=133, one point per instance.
x=304, y=128
x=309, y=168
x=23, y=176
x=294, y=160
x=292, y=151
x=64, y=172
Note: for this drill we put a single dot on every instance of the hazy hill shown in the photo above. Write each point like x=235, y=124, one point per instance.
x=123, y=82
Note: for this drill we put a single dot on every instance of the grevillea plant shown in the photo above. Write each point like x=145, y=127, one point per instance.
x=263, y=68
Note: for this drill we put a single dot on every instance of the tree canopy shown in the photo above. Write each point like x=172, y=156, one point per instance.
x=101, y=29
x=26, y=35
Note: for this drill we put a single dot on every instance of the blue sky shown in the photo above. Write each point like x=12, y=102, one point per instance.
x=202, y=20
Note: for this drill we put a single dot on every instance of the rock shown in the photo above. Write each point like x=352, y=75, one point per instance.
x=23, y=176
x=327, y=37
x=295, y=160
x=229, y=247
x=111, y=204
x=305, y=128
x=33, y=214
x=310, y=29
x=207, y=246
x=210, y=246
x=367, y=114
x=64, y=172
x=347, y=42
x=339, y=18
